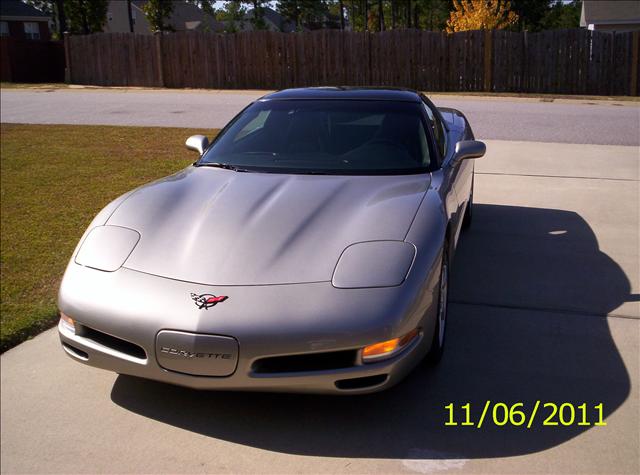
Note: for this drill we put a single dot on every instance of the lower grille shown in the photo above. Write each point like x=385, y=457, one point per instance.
x=112, y=342
x=306, y=362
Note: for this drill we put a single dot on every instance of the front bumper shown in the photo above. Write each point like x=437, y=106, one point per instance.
x=266, y=321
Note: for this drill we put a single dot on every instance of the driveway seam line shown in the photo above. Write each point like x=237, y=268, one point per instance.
x=558, y=176
x=545, y=310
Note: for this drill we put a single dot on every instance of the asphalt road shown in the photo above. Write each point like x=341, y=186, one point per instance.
x=546, y=306
x=566, y=121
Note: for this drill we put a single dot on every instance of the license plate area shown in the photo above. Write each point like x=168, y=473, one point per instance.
x=197, y=354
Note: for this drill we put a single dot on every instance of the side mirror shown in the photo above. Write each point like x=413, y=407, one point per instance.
x=469, y=149
x=198, y=143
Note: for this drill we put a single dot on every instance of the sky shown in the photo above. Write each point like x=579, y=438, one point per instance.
x=220, y=4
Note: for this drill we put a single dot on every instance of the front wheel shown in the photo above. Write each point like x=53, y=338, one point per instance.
x=437, y=344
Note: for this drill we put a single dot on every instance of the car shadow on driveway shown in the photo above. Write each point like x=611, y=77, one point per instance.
x=529, y=292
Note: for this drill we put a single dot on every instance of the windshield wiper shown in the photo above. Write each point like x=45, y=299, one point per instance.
x=226, y=166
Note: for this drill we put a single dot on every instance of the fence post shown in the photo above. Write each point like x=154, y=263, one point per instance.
x=158, y=36
x=367, y=39
x=634, y=63
x=67, y=58
x=488, y=59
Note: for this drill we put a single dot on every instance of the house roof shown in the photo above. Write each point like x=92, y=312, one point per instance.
x=606, y=12
x=277, y=21
x=189, y=13
x=17, y=8
x=187, y=16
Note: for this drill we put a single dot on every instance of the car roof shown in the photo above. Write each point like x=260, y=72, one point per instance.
x=345, y=93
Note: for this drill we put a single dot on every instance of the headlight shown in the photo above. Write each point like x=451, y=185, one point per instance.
x=386, y=349
x=106, y=248
x=374, y=264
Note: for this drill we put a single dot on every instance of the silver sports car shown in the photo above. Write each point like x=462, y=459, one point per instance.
x=307, y=249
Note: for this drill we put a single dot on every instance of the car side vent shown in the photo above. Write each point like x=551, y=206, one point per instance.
x=306, y=362
x=112, y=342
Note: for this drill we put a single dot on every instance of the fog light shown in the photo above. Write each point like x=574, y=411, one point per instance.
x=67, y=322
x=386, y=349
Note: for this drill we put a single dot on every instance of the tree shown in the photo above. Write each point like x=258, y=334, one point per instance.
x=530, y=13
x=257, y=19
x=62, y=17
x=366, y=15
x=291, y=10
x=354, y=15
x=156, y=12
x=562, y=15
x=207, y=6
x=375, y=16
x=310, y=14
x=231, y=15
x=129, y=16
x=380, y=16
x=86, y=16
x=480, y=15
x=394, y=14
x=433, y=14
x=317, y=15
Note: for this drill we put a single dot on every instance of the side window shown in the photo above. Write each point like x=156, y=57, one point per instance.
x=424, y=145
x=438, y=130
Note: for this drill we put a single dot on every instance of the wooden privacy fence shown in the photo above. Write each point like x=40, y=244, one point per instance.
x=31, y=60
x=560, y=61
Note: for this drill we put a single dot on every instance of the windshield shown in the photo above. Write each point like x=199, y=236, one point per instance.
x=324, y=136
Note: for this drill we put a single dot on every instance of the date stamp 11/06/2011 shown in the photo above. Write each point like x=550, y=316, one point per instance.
x=518, y=415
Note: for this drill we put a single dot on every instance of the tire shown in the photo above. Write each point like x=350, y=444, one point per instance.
x=439, y=334
x=468, y=213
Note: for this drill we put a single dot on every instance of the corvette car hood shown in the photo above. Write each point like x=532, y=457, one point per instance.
x=221, y=227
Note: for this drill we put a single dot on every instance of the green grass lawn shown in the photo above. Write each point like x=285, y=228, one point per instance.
x=53, y=180
x=40, y=85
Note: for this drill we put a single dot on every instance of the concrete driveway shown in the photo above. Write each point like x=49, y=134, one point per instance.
x=546, y=292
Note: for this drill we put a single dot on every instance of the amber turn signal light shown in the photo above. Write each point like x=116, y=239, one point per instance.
x=388, y=348
x=67, y=322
